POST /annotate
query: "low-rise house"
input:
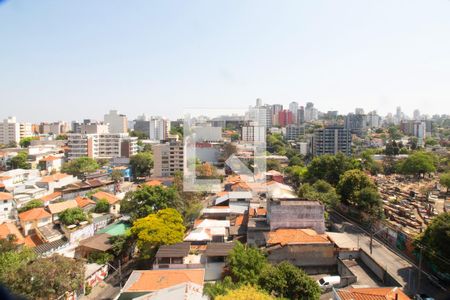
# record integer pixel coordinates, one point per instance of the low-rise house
(55, 181)
(7, 207)
(114, 202)
(151, 282)
(273, 175)
(57, 208)
(171, 256)
(208, 230)
(380, 293)
(305, 248)
(24, 193)
(85, 203)
(49, 233)
(51, 163)
(47, 199)
(225, 198)
(14, 177)
(10, 229)
(97, 243)
(34, 218)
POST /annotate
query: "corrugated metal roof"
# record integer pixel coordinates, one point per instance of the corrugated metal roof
(175, 250)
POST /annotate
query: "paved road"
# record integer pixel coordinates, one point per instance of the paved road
(403, 271)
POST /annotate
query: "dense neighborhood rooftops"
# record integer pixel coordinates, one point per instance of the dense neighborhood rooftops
(154, 280)
(34, 214)
(296, 236)
(54, 177)
(48, 247)
(107, 196)
(382, 293)
(56, 208)
(175, 250)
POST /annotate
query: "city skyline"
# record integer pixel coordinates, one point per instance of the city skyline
(163, 57)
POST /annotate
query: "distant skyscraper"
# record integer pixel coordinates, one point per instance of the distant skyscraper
(276, 108)
(285, 118)
(293, 107)
(301, 115)
(258, 102)
(359, 111)
(311, 113)
(9, 131)
(416, 115)
(117, 123)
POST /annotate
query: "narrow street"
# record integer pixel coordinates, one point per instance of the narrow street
(403, 271)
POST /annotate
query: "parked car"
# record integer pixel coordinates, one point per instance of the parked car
(328, 282)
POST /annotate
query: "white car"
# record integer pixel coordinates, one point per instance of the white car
(328, 282)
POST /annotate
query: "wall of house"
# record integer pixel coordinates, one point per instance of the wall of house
(347, 276)
(313, 257)
(292, 216)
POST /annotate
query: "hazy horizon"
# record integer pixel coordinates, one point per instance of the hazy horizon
(74, 60)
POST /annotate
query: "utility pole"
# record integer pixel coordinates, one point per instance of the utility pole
(420, 269)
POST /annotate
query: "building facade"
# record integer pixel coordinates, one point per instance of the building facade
(168, 158)
(9, 131)
(332, 140)
(118, 123)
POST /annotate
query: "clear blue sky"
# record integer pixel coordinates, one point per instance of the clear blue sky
(74, 59)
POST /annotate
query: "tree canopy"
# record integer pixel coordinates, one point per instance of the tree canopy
(419, 163)
(80, 166)
(246, 263)
(149, 199)
(445, 180)
(287, 281)
(436, 239)
(330, 167)
(245, 292)
(162, 228)
(20, 161)
(26, 141)
(141, 164)
(48, 277)
(31, 204)
(72, 216)
(102, 206)
(321, 191)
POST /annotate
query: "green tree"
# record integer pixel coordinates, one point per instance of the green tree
(246, 263)
(149, 199)
(31, 204)
(12, 258)
(26, 141)
(445, 180)
(141, 164)
(102, 206)
(321, 191)
(419, 163)
(139, 134)
(436, 239)
(287, 281)
(100, 258)
(246, 292)
(61, 137)
(116, 176)
(351, 183)
(20, 161)
(369, 201)
(212, 290)
(121, 243)
(72, 216)
(162, 228)
(273, 164)
(48, 277)
(330, 167)
(80, 166)
(296, 175)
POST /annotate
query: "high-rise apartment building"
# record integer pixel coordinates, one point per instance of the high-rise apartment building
(9, 131)
(254, 134)
(56, 128)
(311, 113)
(168, 158)
(293, 107)
(118, 123)
(26, 130)
(356, 123)
(285, 117)
(332, 140)
(294, 131)
(301, 115)
(156, 128)
(103, 145)
(276, 108)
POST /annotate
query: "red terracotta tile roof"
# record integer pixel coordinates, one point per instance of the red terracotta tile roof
(50, 158)
(154, 280)
(83, 201)
(34, 214)
(296, 236)
(10, 228)
(54, 177)
(51, 197)
(153, 183)
(107, 196)
(5, 196)
(33, 240)
(383, 293)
